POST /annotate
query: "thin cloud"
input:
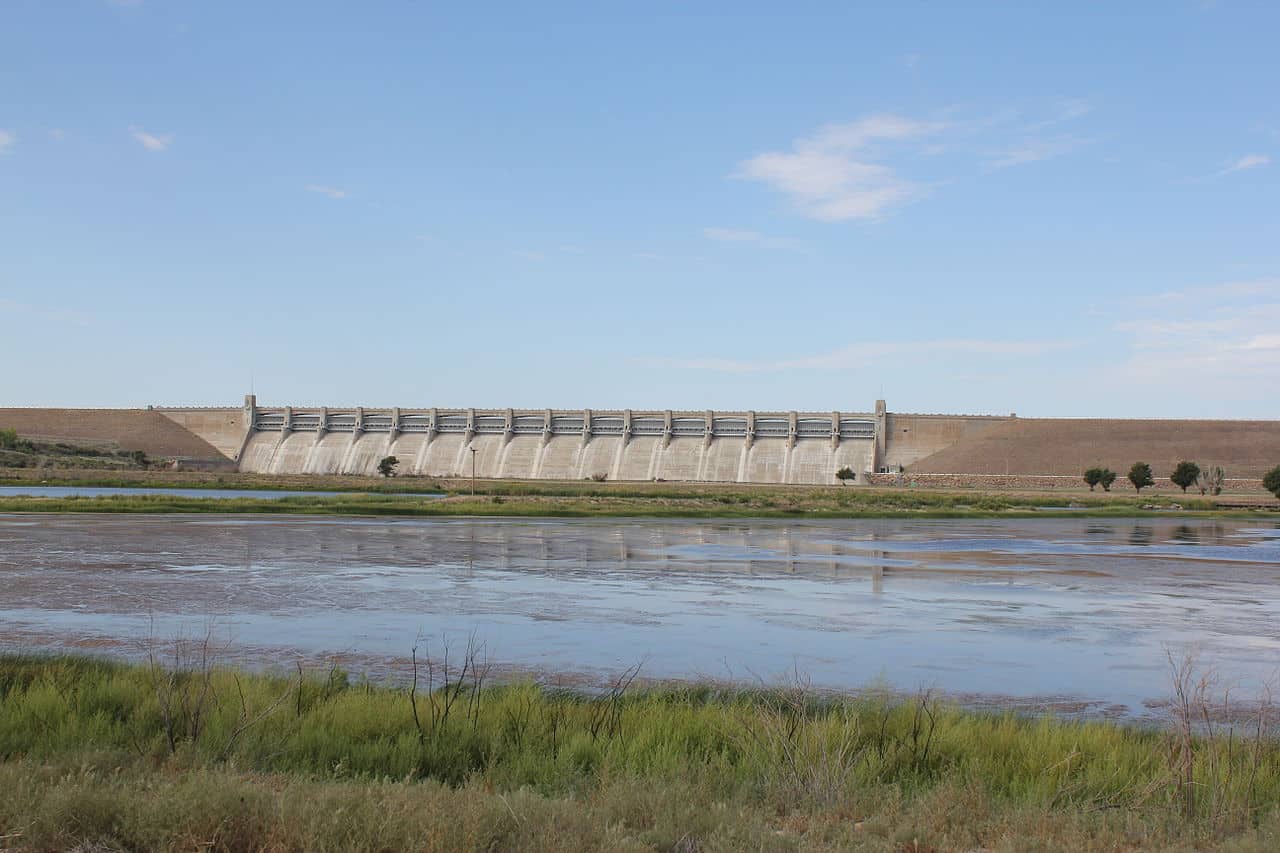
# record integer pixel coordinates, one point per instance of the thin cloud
(1069, 110)
(1249, 161)
(1220, 338)
(835, 174)
(7, 139)
(1036, 151)
(331, 192)
(861, 354)
(151, 141)
(738, 235)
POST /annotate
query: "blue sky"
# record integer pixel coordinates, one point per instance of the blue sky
(1055, 209)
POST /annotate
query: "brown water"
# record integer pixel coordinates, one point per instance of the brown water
(1043, 610)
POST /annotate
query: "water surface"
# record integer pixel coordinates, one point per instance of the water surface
(1081, 608)
(108, 491)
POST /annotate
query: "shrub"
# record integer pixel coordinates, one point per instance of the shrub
(1271, 482)
(1093, 477)
(1212, 479)
(1185, 474)
(1108, 477)
(844, 474)
(387, 467)
(600, 477)
(1140, 475)
(9, 439)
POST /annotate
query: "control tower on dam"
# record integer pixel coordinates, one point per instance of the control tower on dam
(705, 446)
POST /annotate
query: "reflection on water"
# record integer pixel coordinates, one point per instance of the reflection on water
(1074, 607)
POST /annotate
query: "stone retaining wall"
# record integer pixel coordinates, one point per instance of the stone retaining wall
(1044, 482)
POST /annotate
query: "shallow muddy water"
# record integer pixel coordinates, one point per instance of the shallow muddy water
(1041, 610)
(109, 491)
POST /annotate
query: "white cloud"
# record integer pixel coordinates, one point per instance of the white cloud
(1218, 339)
(737, 235)
(1249, 161)
(834, 175)
(7, 138)
(865, 353)
(331, 192)
(1068, 110)
(1036, 150)
(151, 141)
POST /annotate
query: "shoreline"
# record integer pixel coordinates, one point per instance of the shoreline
(923, 505)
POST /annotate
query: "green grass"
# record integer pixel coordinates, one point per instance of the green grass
(145, 757)
(725, 504)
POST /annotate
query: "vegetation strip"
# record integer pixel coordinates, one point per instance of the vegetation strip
(178, 751)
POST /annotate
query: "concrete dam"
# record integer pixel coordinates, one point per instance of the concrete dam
(742, 447)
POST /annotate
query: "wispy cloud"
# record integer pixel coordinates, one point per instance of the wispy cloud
(151, 141)
(738, 235)
(1036, 150)
(7, 139)
(331, 192)
(1220, 339)
(1249, 161)
(15, 309)
(865, 353)
(839, 173)
(1068, 110)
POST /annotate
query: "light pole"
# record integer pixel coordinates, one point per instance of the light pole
(472, 448)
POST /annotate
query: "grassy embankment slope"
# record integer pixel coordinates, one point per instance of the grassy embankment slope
(142, 757)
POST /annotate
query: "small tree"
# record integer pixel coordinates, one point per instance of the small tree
(1185, 474)
(1271, 482)
(387, 467)
(1108, 477)
(139, 458)
(845, 474)
(1140, 475)
(1212, 479)
(8, 439)
(1093, 477)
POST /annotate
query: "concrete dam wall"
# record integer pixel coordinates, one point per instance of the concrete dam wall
(733, 447)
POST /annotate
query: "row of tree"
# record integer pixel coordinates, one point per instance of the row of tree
(1210, 480)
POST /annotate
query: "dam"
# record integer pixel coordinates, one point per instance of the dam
(767, 447)
(708, 446)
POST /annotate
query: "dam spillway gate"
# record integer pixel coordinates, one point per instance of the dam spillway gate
(708, 446)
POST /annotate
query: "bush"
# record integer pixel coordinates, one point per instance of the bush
(1108, 477)
(844, 474)
(9, 439)
(599, 477)
(387, 467)
(1185, 474)
(1212, 479)
(1140, 475)
(1093, 477)
(1271, 482)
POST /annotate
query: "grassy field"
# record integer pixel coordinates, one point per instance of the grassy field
(860, 504)
(187, 755)
(586, 499)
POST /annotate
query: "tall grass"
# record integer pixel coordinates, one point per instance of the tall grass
(756, 761)
(868, 504)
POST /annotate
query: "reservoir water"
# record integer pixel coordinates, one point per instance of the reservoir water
(1073, 612)
(109, 491)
